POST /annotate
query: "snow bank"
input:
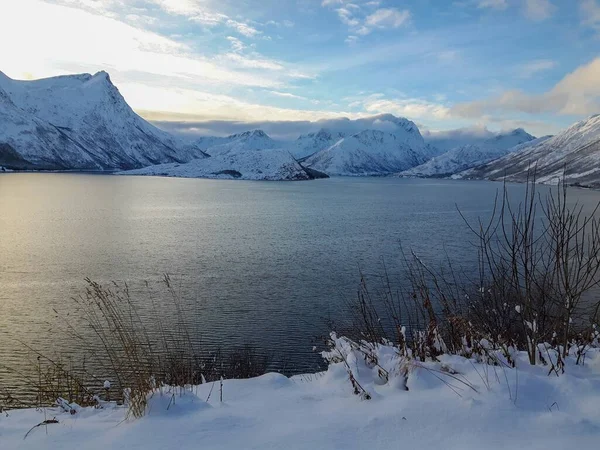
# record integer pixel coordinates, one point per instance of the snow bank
(456, 403)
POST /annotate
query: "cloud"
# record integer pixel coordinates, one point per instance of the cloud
(134, 57)
(236, 44)
(534, 67)
(578, 93)
(447, 139)
(198, 11)
(287, 95)
(197, 105)
(362, 18)
(411, 108)
(326, 3)
(236, 60)
(346, 18)
(590, 13)
(287, 130)
(242, 28)
(493, 4)
(387, 18)
(538, 9)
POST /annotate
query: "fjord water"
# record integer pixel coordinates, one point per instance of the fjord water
(262, 262)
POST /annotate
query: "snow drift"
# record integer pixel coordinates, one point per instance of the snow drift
(455, 403)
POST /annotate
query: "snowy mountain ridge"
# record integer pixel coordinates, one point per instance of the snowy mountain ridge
(372, 152)
(466, 156)
(247, 141)
(574, 154)
(260, 164)
(79, 122)
(309, 144)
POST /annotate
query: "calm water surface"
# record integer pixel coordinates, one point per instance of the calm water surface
(266, 261)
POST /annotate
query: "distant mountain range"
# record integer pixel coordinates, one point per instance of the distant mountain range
(370, 152)
(573, 154)
(81, 122)
(466, 156)
(251, 155)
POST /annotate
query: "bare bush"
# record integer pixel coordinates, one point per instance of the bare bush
(538, 265)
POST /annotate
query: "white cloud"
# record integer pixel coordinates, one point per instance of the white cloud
(242, 28)
(182, 7)
(534, 67)
(251, 62)
(198, 105)
(409, 107)
(346, 17)
(493, 4)
(200, 12)
(538, 9)
(590, 12)
(578, 93)
(106, 43)
(533, 9)
(361, 18)
(388, 18)
(236, 44)
(287, 95)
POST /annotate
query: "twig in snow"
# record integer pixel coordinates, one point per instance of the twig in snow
(41, 424)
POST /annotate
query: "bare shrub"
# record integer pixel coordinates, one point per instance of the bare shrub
(538, 263)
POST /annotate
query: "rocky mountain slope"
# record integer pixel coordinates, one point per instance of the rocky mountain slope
(249, 141)
(466, 156)
(374, 152)
(79, 122)
(268, 165)
(309, 144)
(573, 153)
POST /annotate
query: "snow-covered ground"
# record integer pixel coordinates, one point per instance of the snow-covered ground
(452, 404)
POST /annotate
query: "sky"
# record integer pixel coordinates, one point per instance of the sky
(221, 66)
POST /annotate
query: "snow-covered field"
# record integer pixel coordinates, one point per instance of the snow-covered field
(452, 404)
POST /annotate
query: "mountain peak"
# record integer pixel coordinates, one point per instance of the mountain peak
(98, 129)
(250, 133)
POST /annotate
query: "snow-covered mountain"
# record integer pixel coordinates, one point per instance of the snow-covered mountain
(574, 153)
(309, 144)
(79, 122)
(251, 155)
(248, 141)
(268, 164)
(464, 157)
(373, 152)
(461, 137)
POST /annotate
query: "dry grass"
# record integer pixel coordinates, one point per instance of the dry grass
(140, 348)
